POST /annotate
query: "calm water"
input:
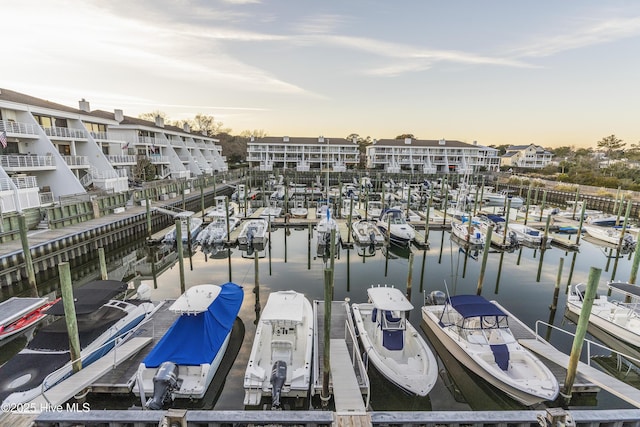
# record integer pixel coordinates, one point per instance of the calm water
(522, 281)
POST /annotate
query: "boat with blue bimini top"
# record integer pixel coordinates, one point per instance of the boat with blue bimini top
(392, 344)
(476, 332)
(46, 360)
(184, 362)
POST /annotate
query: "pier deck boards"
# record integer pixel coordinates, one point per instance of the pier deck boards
(65, 390)
(346, 392)
(121, 378)
(338, 331)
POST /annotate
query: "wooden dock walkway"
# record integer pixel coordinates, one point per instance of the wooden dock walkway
(65, 390)
(346, 390)
(607, 382)
(339, 317)
(121, 378)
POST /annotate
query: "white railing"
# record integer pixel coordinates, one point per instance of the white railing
(46, 198)
(122, 173)
(26, 161)
(76, 160)
(25, 181)
(151, 140)
(19, 128)
(588, 341)
(5, 184)
(155, 158)
(63, 132)
(123, 158)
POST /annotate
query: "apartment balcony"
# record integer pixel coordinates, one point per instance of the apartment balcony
(77, 162)
(19, 192)
(152, 141)
(122, 160)
(339, 167)
(105, 136)
(185, 159)
(180, 174)
(26, 162)
(18, 129)
(67, 133)
(157, 159)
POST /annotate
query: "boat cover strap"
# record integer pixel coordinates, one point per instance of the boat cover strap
(501, 355)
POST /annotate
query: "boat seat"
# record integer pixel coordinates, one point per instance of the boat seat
(282, 350)
(501, 355)
(393, 339)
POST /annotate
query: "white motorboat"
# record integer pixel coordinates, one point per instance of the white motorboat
(374, 209)
(46, 360)
(612, 236)
(299, 211)
(501, 234)
(254, 231)
(619, 319)
(476, 332)
(472, 235)
(367, 233)
(270, 212)
(393, 224)
(216, 231)
(324, 227)
(280, 360)
(187, 233)
(183, 363)
(222, 208)
(349, 208)
(528, 235)
(392, 344)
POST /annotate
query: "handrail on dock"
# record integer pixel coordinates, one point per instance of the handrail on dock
(588, 341)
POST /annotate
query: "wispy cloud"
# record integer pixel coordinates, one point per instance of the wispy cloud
(320, 24)
(598, 32)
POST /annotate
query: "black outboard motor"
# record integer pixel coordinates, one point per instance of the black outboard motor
(164, 382)
(372, 238)
(278, 377)
(250, 234)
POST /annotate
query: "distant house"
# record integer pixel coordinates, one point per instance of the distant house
(525, 156)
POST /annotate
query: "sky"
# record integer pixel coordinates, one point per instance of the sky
(552, 73)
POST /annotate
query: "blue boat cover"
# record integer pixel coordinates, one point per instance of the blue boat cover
(474, 305)
(196, 339)
(495, 218)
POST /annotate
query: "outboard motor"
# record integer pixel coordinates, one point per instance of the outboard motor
(250, 234)
(164, 382)
(372, 238)
(278, 377)
(436, 298)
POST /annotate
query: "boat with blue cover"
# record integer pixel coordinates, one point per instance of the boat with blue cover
(476, 332)
(46, 360)
(183, 363)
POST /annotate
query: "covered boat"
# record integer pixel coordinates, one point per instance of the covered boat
(184, 361)
(46, 360)
(392, 344)
(476, 332)
(280, 360)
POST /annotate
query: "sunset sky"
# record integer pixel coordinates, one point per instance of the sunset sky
(550, 73)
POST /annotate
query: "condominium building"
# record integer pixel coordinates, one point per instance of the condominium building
(430, 156)
(526, 156)
(302, 154)
(48, 150)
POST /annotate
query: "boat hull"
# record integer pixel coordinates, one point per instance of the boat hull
(525, 398)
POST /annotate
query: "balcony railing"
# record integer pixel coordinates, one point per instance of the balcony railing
(150, 140)
(26, 161)
(76, 160)
(121, 159)
(63, 132)
(24, 181)
(18, 128)
(156, 158)
(46, 198)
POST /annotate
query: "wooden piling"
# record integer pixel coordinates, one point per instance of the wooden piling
(180, 254)
(581, 330)
(326, 367)
(410, 276)
(70, 315)
(485, 256)
(103, 264)
(148, 208)
(28, 261)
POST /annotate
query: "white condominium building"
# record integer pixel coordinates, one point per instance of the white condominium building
(302, 154)
(48, 150)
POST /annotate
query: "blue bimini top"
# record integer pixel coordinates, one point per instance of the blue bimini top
(474, 306)
(196, 339)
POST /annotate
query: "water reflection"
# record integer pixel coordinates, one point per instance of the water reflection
(524, 284)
